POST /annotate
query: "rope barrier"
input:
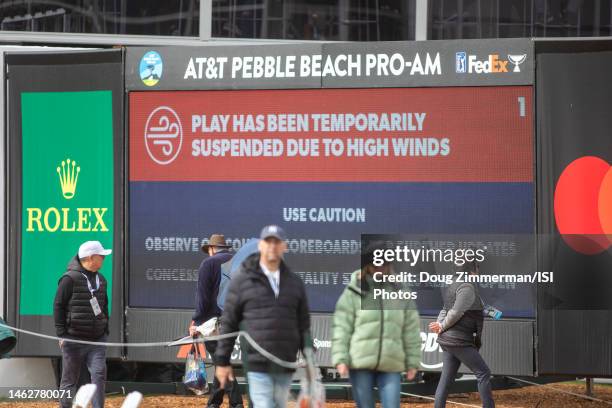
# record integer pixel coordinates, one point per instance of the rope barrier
(562, 391)
(180, 342)
(407, 394)
(286, 364)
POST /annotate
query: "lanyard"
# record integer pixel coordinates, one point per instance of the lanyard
(91, 290)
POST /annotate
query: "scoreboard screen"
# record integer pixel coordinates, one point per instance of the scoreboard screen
(328, 165)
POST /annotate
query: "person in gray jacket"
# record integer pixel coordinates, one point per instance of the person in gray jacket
(459, 328)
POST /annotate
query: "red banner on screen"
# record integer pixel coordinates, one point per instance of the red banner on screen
(469, 134)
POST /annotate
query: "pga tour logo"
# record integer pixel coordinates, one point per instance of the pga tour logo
(465, 63)
(460, 62)
(163, 135)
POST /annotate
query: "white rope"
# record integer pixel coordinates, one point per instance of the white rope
(407, 394)
(247, 336)
(286, 364)
(433, 399)
(180, 342)
(110, 344)
(562, 391)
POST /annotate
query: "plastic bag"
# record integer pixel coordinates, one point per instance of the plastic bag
(195, 372)
(209, 327)
(312, 392)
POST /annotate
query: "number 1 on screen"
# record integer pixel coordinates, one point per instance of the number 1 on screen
(521, 102)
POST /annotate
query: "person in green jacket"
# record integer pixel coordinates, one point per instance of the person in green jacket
(374, 346)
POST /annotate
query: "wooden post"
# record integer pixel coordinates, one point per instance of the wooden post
(589, 386)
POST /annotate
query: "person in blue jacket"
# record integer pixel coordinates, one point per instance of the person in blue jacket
(209, 277)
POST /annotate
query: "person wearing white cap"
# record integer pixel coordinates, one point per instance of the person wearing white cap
(80, 310)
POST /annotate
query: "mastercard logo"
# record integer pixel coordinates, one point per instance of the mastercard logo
(583, 205)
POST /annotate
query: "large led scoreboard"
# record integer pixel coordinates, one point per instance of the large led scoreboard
(327, 165)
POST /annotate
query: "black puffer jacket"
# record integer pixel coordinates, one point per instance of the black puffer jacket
(74, 316)
(280, 325)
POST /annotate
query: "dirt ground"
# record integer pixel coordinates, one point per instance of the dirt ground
(528, 397)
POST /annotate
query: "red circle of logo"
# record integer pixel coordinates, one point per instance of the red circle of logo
(583, 205)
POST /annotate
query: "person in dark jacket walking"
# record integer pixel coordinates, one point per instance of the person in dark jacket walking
(459, 327)
(80, 311)
(269, 302)
(209, 277)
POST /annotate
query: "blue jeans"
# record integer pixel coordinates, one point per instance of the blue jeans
(73, 356)
(363, 383)
(269, 390)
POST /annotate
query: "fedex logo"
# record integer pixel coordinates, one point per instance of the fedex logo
(493, 64)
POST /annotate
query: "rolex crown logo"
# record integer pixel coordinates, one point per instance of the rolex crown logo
(68, 176)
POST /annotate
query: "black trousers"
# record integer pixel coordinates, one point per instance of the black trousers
(231, 388)
(452, 357)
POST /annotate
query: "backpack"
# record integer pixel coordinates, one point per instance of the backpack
(231, 267)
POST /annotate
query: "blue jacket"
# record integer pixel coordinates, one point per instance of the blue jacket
(207, 290)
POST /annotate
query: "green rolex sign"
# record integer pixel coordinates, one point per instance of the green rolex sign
(67, 188)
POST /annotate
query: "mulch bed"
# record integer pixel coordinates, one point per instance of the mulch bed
(528, 397)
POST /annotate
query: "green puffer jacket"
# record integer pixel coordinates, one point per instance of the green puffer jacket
(381, 340)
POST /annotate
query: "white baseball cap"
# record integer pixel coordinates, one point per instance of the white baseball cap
(90, 248)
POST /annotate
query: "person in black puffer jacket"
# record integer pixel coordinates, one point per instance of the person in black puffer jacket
(80, 310)
(269, 302)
